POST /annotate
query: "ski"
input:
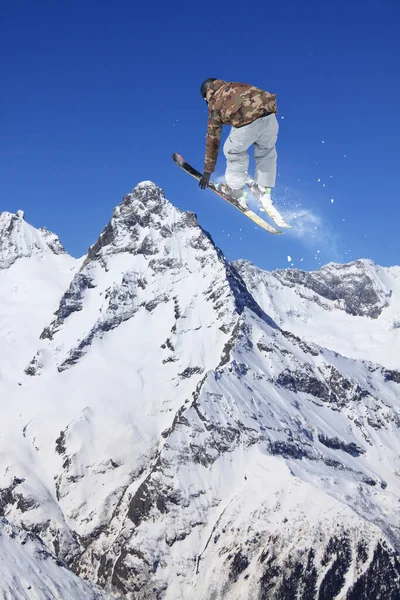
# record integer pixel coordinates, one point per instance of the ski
(185, 166)
(266, 203)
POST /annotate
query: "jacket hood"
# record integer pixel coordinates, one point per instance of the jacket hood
(213, 87)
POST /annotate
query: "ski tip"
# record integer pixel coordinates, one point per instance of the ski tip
(284, 225)
(178, 158)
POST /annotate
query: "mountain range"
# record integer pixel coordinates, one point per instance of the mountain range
(178, 426)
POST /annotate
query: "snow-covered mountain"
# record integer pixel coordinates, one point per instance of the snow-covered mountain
(179, 427)
(353, 309)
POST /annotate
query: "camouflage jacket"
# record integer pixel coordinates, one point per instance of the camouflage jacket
(235, 104)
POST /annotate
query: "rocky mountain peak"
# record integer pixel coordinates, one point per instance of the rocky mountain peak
(146, 198)
(141, 215)
(150, 257)
(18, 239)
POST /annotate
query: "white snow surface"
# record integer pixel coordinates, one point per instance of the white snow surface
(164, 426)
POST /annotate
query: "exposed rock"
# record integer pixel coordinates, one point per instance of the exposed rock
(350, 286)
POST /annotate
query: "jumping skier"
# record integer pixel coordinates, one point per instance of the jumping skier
(252, 114)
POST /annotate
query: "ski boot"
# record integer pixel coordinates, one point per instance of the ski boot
(238, 196)
(264, 192)
(263, 195)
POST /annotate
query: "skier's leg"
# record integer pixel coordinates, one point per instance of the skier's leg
(265, 152)
(237, 157)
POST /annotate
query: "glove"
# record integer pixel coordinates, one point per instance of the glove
(205, 180)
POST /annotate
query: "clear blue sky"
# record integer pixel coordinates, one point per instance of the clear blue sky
(96, 96)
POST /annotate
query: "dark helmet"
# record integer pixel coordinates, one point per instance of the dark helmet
(204, 86)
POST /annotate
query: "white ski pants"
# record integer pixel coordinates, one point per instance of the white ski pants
(263, 133)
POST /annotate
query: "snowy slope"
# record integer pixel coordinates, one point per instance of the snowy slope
(173, 435)
(254, 467)
(352, 309)
(34, 271)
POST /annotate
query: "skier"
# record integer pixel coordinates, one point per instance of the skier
(251, 112)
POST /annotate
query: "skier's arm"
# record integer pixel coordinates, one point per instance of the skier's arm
(213, 138)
